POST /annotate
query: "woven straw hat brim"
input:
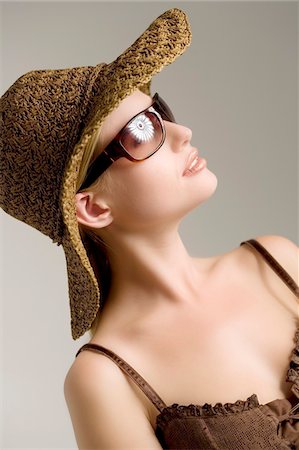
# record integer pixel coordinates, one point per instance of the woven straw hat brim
(162, 42)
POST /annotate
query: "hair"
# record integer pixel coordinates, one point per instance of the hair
(95, 247)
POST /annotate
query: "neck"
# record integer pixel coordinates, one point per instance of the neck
(153, 270)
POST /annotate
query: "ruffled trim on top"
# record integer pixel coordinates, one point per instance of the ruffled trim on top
(179, 411)
(293, 372)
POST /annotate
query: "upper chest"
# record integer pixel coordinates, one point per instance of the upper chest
(235, 342)
(219, 361)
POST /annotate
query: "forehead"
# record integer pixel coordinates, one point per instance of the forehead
(118, 118)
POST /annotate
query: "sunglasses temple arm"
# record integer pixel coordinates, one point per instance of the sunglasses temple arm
(100, 164)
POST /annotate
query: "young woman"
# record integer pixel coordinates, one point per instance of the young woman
(190, 353)
(199, 330)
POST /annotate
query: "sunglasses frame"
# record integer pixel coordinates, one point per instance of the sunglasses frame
(116, 150)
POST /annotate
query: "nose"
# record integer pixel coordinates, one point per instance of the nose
(178, 136)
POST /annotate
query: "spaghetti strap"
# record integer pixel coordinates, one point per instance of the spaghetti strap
(126, 368)
(274, 264)
(137, 378)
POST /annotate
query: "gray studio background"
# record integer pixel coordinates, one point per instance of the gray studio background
(235, 87)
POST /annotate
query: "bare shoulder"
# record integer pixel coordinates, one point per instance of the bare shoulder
(101, 400)
(284, 250)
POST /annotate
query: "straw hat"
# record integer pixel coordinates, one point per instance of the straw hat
(47, 117)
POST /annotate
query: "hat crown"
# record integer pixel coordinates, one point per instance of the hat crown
(42, 116)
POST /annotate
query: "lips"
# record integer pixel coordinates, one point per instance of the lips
(192, 158)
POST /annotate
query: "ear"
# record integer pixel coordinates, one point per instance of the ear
(92, 211)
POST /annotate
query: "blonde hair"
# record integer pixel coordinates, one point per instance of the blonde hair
(94, 245)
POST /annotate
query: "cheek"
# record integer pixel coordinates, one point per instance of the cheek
(145, 194)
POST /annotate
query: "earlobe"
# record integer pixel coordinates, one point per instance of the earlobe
(92, 212)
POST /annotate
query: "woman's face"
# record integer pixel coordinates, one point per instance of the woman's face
(153, 191)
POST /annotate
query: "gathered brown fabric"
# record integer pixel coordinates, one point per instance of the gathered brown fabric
(242, 425)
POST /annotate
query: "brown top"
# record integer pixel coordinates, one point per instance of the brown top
(244, 424)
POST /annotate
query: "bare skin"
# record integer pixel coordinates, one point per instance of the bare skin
(214, 329)
(234, 342)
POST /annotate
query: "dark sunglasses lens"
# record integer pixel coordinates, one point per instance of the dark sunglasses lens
(142, 135)
(164, 109)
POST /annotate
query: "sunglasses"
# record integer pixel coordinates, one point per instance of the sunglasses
(139, 139)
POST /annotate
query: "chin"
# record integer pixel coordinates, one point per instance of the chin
(205, 187)
(202, 194)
